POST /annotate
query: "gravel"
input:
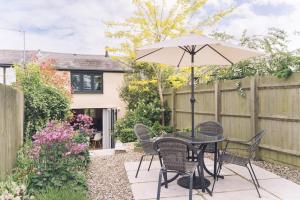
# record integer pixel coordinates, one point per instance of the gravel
(287, 172)
(107, 177)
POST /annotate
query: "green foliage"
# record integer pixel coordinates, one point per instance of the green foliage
(43, 102)
(58, 158)
(140, 87)
(65, 193)
(124, 127)
(157, 129)
(24, 163)
(10, 190)
(278, 61)
(147, 114)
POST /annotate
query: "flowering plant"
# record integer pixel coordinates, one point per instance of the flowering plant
(57, 155)
(83, 123)
(10, 190)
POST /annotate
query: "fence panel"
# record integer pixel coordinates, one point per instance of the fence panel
(11, 127)
(244, 107)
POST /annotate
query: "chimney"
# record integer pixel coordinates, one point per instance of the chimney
(106, 52)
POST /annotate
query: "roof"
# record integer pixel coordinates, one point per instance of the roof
(64, 61)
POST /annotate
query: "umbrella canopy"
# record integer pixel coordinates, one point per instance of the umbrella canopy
(193, 50)
(207, 51)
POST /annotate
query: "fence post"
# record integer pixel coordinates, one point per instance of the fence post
(217, 101)
(173, 108)
(254, 106)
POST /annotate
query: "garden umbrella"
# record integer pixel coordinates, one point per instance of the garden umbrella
(194, 50)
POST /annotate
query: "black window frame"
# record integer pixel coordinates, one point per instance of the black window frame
(92, 74)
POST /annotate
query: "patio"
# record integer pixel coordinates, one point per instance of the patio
(236, 184)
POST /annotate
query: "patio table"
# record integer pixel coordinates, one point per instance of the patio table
(200, 141)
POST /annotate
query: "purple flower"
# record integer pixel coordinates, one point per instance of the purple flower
(76, 148)
(83, 123)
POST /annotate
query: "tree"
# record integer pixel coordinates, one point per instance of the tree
(153, 22)
(44, 100)
(278, 60)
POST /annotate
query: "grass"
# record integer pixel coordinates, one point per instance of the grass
(66, 193)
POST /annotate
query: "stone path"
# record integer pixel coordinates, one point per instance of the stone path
(236, 185)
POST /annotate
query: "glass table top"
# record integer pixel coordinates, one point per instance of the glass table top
(198, 138)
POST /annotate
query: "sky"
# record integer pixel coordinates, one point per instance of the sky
(76, 26)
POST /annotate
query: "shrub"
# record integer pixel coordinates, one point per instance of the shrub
(157, 129)
(57, 156)
(124, 127)
(24, 163)
(145, 114)
(10, 190)
(65, 193)
(127, 135)
(43, 101)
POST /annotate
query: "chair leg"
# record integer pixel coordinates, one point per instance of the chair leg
(201, 175)
(220, 168)
(191, 187)
(159, 185)
(218, 172)
(253, 181)
(165, 179)
(160, 162)
(150, 162)
(137, 172)
(254, 174)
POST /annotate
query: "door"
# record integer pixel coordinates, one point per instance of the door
(109, 119)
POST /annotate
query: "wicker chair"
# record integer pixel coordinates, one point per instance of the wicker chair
(245, 160)
(215, 129)
(142, 133)
(210, 128)
(173, 152)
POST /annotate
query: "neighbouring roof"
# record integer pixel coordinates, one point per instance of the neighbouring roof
(64, 61)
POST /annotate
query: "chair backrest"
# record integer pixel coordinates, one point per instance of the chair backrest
(210, 128)
(254, 142)
(97, 137)
(173, 152)
(142, 133)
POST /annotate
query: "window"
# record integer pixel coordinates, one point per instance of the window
(87, 82)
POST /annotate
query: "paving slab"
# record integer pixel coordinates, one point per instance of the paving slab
(231, 184)
(282, 188)
(149, 190)
(208, 161)
(195, 197)
(244, 195)
(224, 171)
(236, 185)
(132, 166)
(143, 176)
(261, 173)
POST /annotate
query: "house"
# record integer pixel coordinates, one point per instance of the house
(94, 80)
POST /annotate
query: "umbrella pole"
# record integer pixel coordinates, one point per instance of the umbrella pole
(193, 97)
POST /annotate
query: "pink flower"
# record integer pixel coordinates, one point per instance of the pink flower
(57, 138)
(76, 148)
(83, 123)
(53, 132)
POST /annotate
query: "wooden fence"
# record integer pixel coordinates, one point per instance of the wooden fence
(268, 103)
(11, 127)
